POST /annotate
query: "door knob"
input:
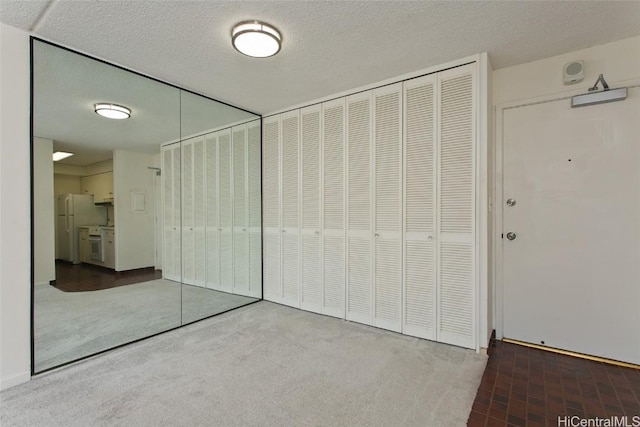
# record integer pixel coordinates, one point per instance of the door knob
(511, 202)
(511, 235)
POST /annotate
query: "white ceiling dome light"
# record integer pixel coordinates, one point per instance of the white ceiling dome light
(112, 111)
(256, 39)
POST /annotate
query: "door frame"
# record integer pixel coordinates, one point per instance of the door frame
(497, 253)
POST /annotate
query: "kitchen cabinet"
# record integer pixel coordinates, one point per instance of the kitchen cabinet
(83, 246)
(99, 185)
(109, 248)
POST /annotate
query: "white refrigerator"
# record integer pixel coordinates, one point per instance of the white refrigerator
(75, 210)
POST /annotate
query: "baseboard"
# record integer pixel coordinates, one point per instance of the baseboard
(492, 338)
(14, 380)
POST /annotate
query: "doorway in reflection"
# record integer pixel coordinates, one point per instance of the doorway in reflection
(123, 242)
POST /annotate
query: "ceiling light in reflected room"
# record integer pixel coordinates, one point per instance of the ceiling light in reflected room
(59, 155)
(112, 111)
(256, 39)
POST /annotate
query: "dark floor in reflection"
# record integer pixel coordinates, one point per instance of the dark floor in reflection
(87, 277)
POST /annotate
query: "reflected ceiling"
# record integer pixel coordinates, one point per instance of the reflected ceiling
(67, 85)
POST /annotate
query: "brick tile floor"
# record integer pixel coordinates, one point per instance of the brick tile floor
(522, 386)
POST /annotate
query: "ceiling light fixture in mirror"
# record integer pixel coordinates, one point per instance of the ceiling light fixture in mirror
(112, 111)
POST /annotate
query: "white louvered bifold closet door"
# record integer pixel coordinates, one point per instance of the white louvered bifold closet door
(290, 209)
(171, 205)
(271, 216)
(456, 203)
(199, 200)
(188, 240)
(420, 207)
(254, 208)
(240, 213)
(387, 142)
(359, 208)
(310, 205)
(177, 210)
(225, 201)
(212, 212)
(333, 187)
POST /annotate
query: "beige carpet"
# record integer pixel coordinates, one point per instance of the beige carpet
(260, 365)
(72, 325)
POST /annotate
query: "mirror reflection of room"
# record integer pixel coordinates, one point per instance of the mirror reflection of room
(107, 271)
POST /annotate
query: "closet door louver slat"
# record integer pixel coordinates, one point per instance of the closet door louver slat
(225, 182)
(311, 261)
(359, 216)
(171, 246)
(212, 233)
(333, 303)
(456, 299)
(387, 141)
(271, 215)
(177, 212)
(420, 213)
(199, 213)
(290, 210)
(255, 209)
(188, 235)
(240, 233)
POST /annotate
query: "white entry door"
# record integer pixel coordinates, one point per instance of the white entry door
(571, 276)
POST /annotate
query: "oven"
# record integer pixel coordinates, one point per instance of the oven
(95, 244)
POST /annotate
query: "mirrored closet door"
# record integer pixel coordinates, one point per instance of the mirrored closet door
(153, 219)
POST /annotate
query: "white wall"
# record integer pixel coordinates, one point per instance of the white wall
(15, 289)
(43, 212)
(100, 167)
(67, 177)
(66, 184)
(135, 232)
(60, 168)
(618, 61)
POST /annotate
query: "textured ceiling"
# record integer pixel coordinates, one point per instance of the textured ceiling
(328, 46)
